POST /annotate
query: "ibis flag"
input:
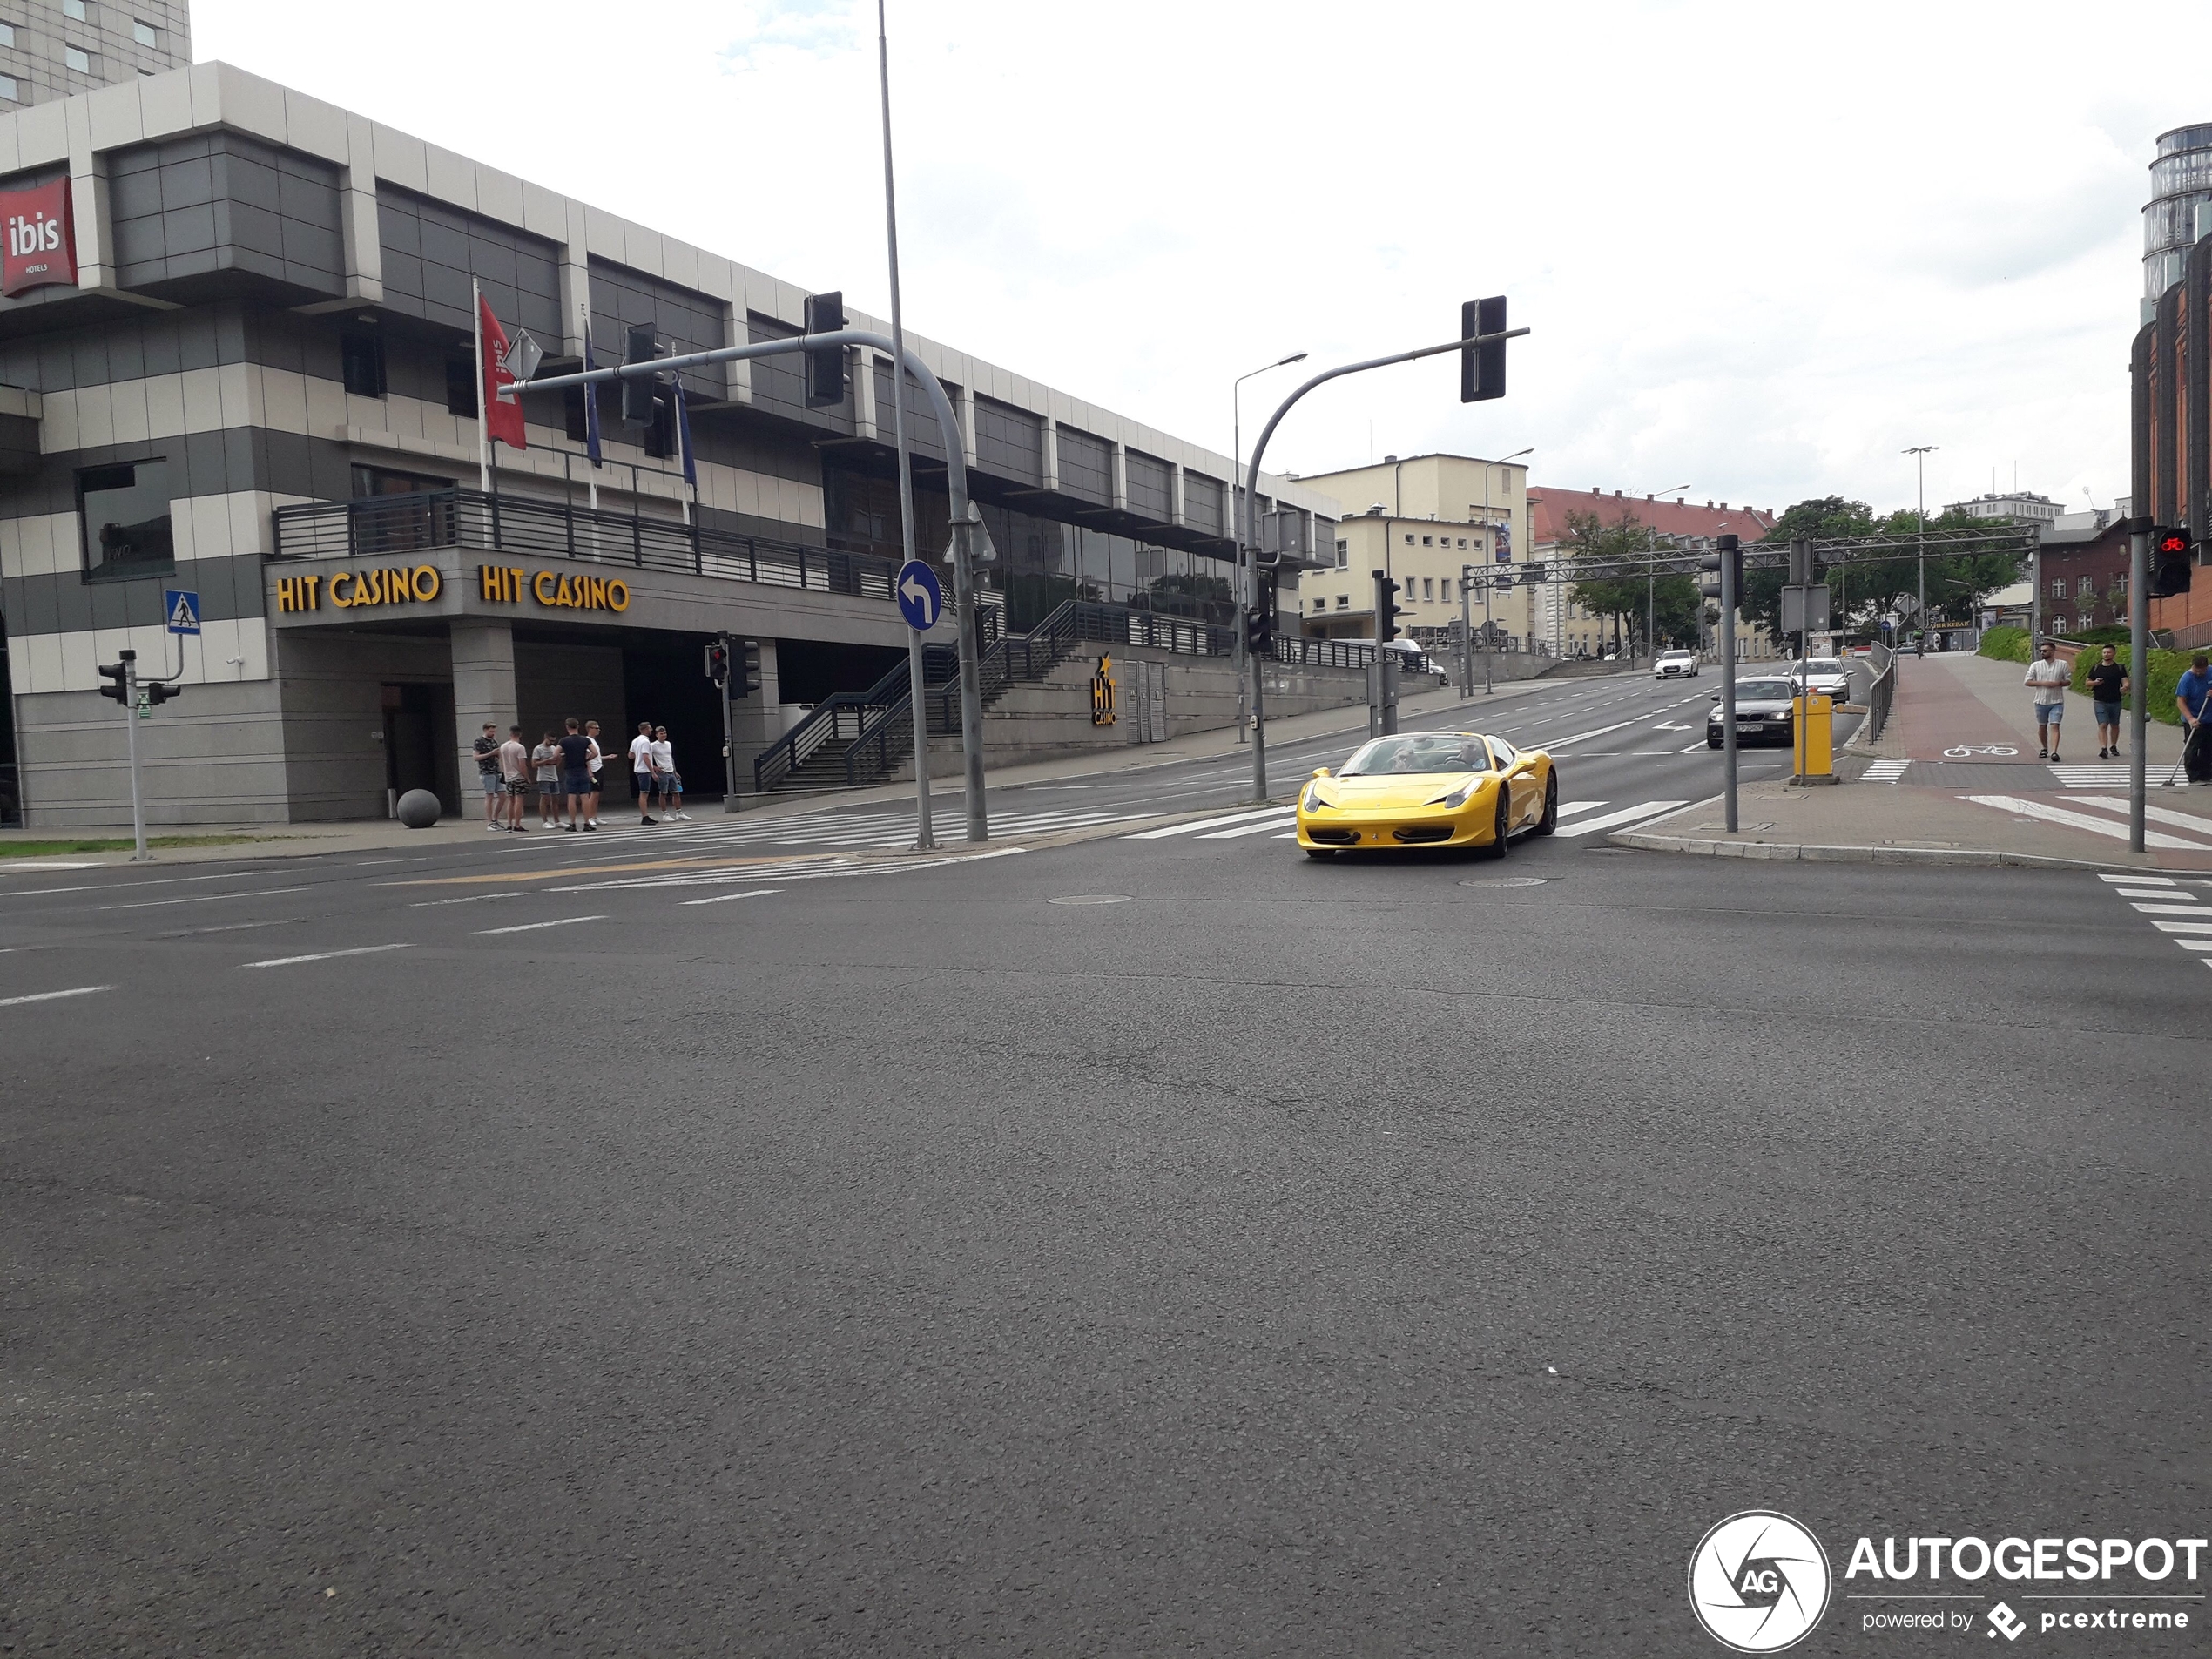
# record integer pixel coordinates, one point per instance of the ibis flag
(502, 407)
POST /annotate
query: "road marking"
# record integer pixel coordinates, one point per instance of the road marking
(1568, 808)
(1695, 747)
(472, 898)
(2079, 821)
(1884, 772)
(2151, 893)
(2183, 926)
(412, 858)
(201, 898)
(49, 996)
(26, 865)
(2142, 880)
(2171, 909)
(1583, 736)
(724, 898)
(323, 956)
(2155, 814)
(1275, 822)
(1205, 824)
(532, 927)
(1626, 814)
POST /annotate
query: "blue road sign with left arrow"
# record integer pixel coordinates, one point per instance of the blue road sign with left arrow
(183, 608)
(921, 601)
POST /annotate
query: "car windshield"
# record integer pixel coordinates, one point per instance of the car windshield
(1824, 666)
(1673, 656)
(1758, 691)
(1428, 751)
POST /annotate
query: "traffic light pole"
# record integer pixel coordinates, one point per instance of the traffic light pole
(2139, 676)
(1466, 632)
(1729, 596)
(1251, 475)
(130, 660)
(966, 520)
(1487, 688)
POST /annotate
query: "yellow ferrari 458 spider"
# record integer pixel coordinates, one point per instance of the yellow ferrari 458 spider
(1454, 789)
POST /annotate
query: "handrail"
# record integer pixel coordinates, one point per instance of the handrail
(1880, 694)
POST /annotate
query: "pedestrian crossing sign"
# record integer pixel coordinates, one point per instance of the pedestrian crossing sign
(182, 607)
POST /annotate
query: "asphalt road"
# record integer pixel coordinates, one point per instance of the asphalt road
(518, 1252)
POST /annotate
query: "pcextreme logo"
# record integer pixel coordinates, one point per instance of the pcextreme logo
(1758, 1582)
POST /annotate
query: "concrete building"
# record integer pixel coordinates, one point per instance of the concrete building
(1420, 519)
(50, 49)
(2018, 507)
(240, 364)
(2082, 569)
(1564, 627)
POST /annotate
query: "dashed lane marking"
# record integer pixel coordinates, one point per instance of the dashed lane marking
(533, 927)
(201, 898)
(724, 898)
(324, 957)
(53, 997)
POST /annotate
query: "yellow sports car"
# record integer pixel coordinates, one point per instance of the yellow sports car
(1429, 789)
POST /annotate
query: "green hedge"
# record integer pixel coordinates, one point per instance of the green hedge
(2006, 645)
(2166, 670)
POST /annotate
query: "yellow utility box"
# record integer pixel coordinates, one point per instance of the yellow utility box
(1812, 736)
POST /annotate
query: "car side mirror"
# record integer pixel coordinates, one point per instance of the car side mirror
(1321, 771)
(1713, 696)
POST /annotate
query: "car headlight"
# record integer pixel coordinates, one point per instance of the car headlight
(1459, 797)
(1314, 801)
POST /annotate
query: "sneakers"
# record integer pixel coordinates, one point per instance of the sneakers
(686, 817)
(643, 821)
(570, 828)
(2055, 759)
(2042, 754)
(495, 828)
(2104, 754)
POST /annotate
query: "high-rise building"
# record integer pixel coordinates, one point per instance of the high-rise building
(2181, 183)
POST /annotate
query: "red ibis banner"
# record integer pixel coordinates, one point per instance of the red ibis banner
(39, 237)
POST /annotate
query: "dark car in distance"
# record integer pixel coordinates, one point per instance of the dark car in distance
(1763, 713)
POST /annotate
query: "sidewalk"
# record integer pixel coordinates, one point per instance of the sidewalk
(375, 835)
(1955, 779)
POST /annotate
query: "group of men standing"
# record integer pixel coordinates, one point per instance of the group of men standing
(566, 772)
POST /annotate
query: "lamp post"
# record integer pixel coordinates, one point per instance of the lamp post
(1651, 585)
(1242, 527)
(1921, 455)
(1489, 689)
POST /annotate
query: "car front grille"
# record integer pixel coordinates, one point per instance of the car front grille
(1414, 833)
(1333, 837)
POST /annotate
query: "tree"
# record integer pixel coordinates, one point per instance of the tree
(1869, 588)
(1610, 563)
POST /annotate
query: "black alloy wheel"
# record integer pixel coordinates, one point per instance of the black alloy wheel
(1549, 821)
(1502, 830)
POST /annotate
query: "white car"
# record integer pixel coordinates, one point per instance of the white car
(1825, 674)
(1676, 664)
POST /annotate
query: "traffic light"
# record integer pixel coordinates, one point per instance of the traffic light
(825, 366)
(1709, 571)
(1386, 607)
(717, 662)
(1259, 630)
(744, 667)
(120, 691)
(1482, 368)
(637, 389)
(2170, 552)
(156, 693)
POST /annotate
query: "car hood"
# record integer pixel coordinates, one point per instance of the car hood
(1754, 706)
(1394, 791)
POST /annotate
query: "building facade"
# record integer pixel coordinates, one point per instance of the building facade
(2081, 570)
(1420, 520)
(52, 49)
(252, 379)
(1567, 629)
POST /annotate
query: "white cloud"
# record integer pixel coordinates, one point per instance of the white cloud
(1764, 247)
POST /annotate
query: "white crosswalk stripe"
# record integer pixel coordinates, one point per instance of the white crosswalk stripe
(2116, 775)
(2190, 822)
(1275, 822)
(1616, 819)
(1205, 824)
(2195, 934)
(1884, 772)
(2117, 831)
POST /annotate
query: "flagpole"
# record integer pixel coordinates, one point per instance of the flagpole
(483, 414)
(591, 412)
(917, 676)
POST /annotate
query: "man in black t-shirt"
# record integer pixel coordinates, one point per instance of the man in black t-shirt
(576, 771)
(488, 776)
(2109, 692)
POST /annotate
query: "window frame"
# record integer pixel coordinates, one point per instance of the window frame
(145, 33)
(71, 55)
(351, 344)
(103, 571)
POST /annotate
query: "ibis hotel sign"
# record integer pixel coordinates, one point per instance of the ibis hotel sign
(498, 584)
(39, 238)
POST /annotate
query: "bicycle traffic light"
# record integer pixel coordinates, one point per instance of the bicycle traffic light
(1482, 368)
(637, 389)
(1386, 607)
(120, 673)
(2171, 554)
(717, 662)
(826, 365)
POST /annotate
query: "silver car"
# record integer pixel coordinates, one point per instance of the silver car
(1825, 674)
(1764, 712)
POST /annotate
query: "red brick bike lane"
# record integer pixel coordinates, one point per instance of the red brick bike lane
(1938, 717)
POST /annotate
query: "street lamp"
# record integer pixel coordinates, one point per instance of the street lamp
(1243, 525)
(1921, 455)
(1651, 584)
(1488, 689)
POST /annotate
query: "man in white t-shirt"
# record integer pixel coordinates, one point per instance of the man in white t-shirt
(641, 770)
(2049, 677)
(514, 776)
(669, 782)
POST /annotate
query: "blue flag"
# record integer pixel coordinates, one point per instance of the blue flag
(591, 395)
(684, 435)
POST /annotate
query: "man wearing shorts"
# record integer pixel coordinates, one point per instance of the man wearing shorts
(666, 776)
(545, 760)
(641, 770)
(575, 775)
(598, 766)
(2109, 692)
(487, 774)
(2049, 678)
(515, 778)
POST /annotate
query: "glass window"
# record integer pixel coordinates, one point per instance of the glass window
(1344, 555)
(78, 59)
(74, 9)
(145, 33)
(361, 352)
(1505, 752)
(2058, 587)
(1344, 601)
(461, 386)
(1429, 751)
(1409, 539)
(7, 34)
(2082, 588)
(1428, 589)
(10, 91)
(125, 510)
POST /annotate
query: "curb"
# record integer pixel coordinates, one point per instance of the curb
(1786, 853)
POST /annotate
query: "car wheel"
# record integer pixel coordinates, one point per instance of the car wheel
(1501, 828)
(1549, 821)
(1714, 743)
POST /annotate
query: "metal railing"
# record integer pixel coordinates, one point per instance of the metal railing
(381, 526)
(1879, 695)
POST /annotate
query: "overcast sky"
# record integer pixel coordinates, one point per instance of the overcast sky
(1763, 247)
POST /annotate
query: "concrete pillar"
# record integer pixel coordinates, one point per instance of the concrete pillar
(483, 689)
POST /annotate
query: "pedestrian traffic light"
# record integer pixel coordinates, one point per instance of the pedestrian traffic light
(637, 389)
(717, 662)
(2170, 552)
(1386, 607)
(1482, 368)
(120, 691)
(156, 693)
(1259, 630)
(744, 667)
(825, 365)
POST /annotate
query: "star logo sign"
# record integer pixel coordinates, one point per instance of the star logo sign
(1758, 1582)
